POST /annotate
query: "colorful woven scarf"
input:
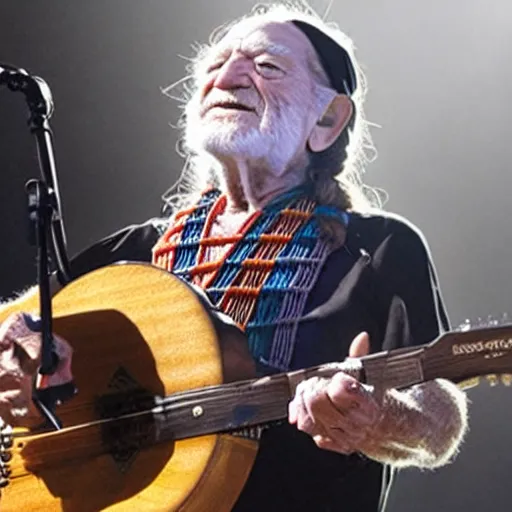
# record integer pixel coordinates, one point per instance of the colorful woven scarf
(263, 280)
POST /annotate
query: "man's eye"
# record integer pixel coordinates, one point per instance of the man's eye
(267, 65)
(268, 70)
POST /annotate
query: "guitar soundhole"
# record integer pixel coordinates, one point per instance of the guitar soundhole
(126, 436)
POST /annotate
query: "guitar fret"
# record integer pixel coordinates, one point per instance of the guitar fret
(394, 372)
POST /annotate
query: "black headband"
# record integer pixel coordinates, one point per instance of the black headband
(334, 58)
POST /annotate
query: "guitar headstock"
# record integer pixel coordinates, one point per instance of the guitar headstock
(473, 351)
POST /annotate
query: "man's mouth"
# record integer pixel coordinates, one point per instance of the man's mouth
(229, 105)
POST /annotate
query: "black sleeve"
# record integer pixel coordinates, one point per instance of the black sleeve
(132, 243)
(407, 280)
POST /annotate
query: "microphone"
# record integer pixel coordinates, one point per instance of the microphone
(35, 89)
(4, 75)
(7, 72)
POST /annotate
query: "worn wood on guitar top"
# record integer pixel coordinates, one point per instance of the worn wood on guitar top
(153, 327)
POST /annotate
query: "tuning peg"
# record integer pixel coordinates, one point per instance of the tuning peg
(506, 378)
(464, 326)
(488, 321)
(492, 321)
(492, 379)
(469, 383)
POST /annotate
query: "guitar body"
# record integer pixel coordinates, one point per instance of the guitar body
(135, 331)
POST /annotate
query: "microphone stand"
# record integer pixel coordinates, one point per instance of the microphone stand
(45, 220)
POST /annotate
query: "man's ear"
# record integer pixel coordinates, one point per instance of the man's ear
(331, 124)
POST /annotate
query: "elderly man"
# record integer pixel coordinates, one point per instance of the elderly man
(286, 250)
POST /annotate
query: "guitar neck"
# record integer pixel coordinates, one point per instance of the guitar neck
(225, 408)
(457, 356)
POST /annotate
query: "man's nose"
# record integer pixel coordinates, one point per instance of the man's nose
(234, 73)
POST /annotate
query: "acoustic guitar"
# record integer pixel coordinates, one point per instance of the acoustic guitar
(167, 400)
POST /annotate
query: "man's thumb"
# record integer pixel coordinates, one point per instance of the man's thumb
(360, 346)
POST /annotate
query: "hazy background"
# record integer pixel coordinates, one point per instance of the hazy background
(440, 79)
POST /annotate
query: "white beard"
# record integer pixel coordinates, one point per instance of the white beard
(274, 140)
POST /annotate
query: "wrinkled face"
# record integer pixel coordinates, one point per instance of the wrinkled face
(255, 96)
